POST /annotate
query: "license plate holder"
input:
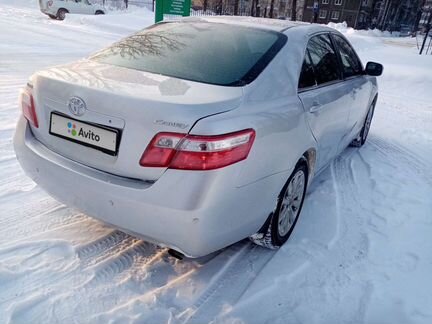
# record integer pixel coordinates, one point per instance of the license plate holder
(95, 136)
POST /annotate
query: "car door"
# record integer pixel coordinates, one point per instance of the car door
(87, 7)
(69, 5)
(325, 97)
(359, 84)
(80, 7)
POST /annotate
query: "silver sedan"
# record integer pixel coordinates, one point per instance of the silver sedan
(198, 133)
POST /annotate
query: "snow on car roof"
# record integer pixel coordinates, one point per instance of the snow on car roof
(264, 23)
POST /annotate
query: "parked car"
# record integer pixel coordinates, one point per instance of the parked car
(405, 31)
(57, 9)
(196, 134)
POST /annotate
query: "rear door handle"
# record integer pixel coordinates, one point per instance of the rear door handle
(316, 106)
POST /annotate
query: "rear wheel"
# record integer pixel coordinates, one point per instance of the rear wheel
(61, 14)
(99, 12)
(361, 138)
(279, 226)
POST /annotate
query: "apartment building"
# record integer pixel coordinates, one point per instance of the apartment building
(324, 11)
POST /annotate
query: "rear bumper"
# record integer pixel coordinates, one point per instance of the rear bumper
(193, 212)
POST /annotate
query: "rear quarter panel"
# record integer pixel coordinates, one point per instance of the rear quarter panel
(273, 109)
(282, 136)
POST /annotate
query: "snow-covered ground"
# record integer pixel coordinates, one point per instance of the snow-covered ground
(361, 252)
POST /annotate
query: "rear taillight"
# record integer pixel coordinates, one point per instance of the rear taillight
(195, 152)
(28, 106)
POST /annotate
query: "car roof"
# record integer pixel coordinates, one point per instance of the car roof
(262, 23)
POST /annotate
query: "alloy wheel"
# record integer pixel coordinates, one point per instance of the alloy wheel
(291, 202)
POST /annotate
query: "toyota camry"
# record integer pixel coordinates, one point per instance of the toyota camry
(197, 133)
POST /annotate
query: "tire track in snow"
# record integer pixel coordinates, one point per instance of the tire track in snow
(230, 283)
(397, 153)
(96, 248)
(118, 262)
(340, 259)
(348, 186)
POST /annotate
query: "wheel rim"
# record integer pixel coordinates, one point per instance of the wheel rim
(291, 202)
(367, 123)
(62, 15)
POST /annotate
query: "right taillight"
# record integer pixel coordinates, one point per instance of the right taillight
(28, 106)
(196, 152)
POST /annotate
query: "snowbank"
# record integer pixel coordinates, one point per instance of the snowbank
(116, 22)
(361, 252)
(343, 28)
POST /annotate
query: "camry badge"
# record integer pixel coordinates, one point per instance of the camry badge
(77, 106)
(171, 124)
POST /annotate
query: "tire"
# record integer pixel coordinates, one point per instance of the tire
(362, 137)
(61, 14)
(280, 224)
(52, 16)
(99, 12)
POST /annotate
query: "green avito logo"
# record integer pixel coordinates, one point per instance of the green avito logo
(72, 129)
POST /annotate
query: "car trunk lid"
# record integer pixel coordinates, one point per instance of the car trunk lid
(135, 104)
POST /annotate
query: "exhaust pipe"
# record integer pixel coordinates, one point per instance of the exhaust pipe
(176, 254)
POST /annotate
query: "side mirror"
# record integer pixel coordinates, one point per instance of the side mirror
(374, 69)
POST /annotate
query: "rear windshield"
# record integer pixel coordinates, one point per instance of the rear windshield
(212, 53)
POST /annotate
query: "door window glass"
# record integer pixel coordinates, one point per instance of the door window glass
(324, 59)
(307, 75)
(350, 63)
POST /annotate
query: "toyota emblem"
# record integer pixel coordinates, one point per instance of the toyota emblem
(77, 106)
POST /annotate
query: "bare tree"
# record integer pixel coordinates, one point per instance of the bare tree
(294, 10)
(145, 43)
(271, 9)
(236, 7)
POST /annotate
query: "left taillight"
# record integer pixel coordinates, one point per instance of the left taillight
(196, 152)
(28, 106)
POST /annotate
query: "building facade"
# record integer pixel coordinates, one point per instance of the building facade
(361, 14)
(425, 13)
(325, 11)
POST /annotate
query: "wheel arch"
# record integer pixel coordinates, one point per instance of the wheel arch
(62, 8)
(309, 156)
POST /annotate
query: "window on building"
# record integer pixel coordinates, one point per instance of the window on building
(323, 14)
(338, 2)
(325, 1)
(365, 2)
(335, 15)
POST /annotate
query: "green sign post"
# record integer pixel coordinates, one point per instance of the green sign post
(172, 7)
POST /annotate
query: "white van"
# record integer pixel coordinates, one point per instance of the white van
(57, 9)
